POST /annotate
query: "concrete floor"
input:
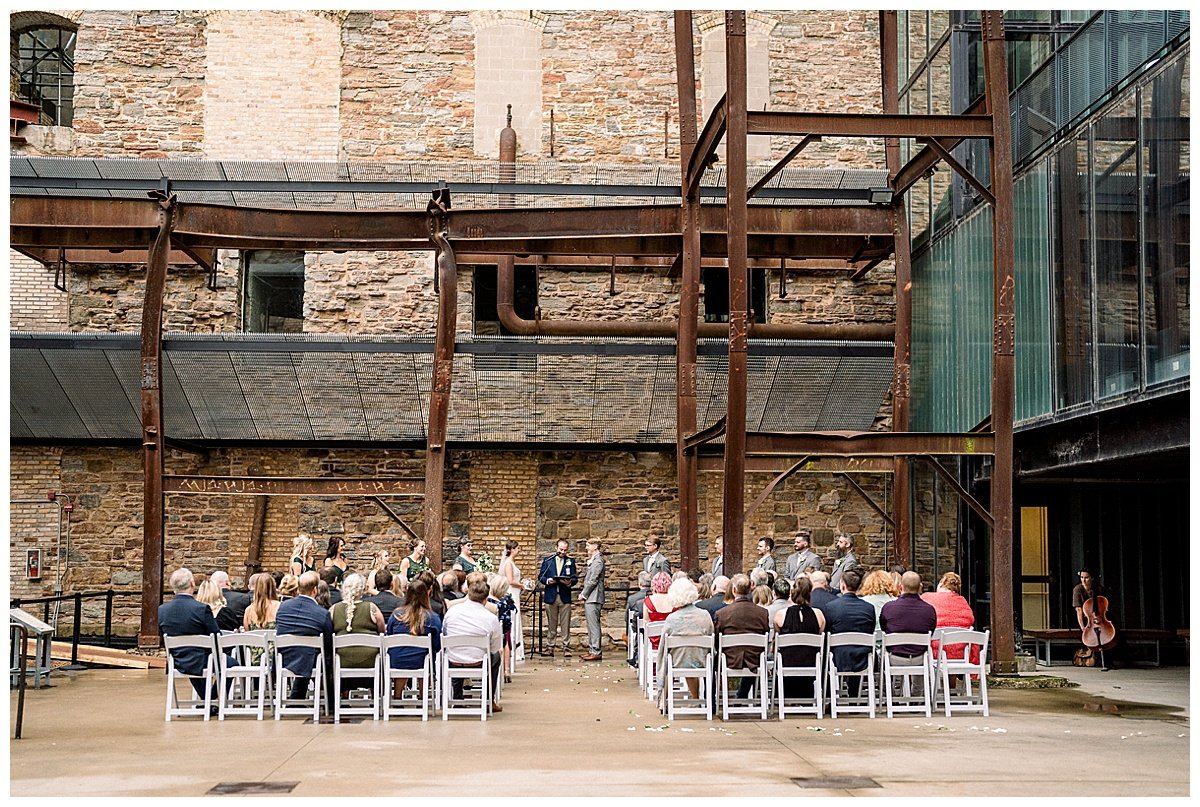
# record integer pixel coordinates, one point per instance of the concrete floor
(575, 729)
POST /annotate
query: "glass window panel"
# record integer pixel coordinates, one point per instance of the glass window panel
(1072, 273)
(1118, 349)
(902, 45)
(1027, 15)
(943, 208)
(1026, 52)
(1165, 188)
(274, 292)
(1032, 274)
(46, 72)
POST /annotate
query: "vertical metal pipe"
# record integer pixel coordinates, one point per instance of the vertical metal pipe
(76, 627)
(689, 301)
(889, 64)
(1003, 341)
(258, 525)
(735, 216)
(108, 611)
(152, 426)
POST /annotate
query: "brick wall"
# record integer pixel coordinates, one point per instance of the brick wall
(271, 86)
(34, 303)
(33, 520)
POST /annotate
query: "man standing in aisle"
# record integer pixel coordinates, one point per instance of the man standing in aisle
(558, 576)
(593, 599)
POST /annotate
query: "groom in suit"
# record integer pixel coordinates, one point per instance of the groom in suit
(558, 575)
(302, 615)
(593, 599)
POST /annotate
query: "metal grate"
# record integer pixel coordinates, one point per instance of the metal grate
(310, 388)
(251, 788)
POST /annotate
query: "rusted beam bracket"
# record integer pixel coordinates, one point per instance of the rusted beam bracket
(779, 166)
(813, 465)
(293, 485)
(959, 169)
(774, 483)
(967, 498)
(705, 151)
(394, 517)
(866, 497)
(926, 159)
(705, 435)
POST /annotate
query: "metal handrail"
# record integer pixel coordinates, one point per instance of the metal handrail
(23, 665)
(76, 623)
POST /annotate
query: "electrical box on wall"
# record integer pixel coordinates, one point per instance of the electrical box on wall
(33, 564)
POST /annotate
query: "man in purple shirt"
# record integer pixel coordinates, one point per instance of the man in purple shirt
(908, 613)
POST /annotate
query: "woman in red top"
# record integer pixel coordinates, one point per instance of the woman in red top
(657, 607)
(953, 611)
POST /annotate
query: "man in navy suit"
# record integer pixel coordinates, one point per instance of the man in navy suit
(302, 615)
(850, 614)
(184, 616)
(558, 575)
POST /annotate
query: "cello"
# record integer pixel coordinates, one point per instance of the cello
(1099, 633)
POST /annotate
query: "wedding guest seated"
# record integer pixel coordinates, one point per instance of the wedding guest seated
(352, 615)
(263, 608)
(716, 600)
(301, 616)
(762, 596)
(953, 611)
(472, 618)
(877, 588)
(415, 618)
(450, 586)
(386, 600)
(821, 594)
(657, 606)
(210, 595)
(330, 577)
(742, 616)
(323, 598)
(800, 617)
(782, 591)
(908, 613)
(703, 586)
(685, 620)
(436, 603)
(288, 588)
(499, 597)
(847, 613)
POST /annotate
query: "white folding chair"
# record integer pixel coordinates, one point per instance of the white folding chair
(241, 679)
(420, 680)
(648, 658)
(865, 702)
(481, 674)
(799, 706)
(904, 674)
(351, 705)
(758, 703)
(680, 675)
(632, 634)
(949, 666)
(189, 707)
(285, 705)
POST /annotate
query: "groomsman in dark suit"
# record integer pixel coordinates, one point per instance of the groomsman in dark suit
(558, 575)
(184, 616)
(302, 615)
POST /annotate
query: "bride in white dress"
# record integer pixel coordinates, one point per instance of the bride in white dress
(512, 573)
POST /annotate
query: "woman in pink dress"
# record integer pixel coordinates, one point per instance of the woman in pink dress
(953, 611)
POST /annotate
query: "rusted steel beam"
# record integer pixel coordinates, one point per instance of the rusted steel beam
(902, 367)
(770, 488)
(636, 263)
(258, 525)
(924, 160)
(813, 465)
(845, 124)
(293, 485)
(692, 441)
(867, 444)
(967, 498)
(1003, 343)
(84, 257)
(732, 523)
(706, 147)
(152, 425)
(85, 212)
(396, 518)
(866, 497)
(689, 300)
(960, 169)
(783, 163)
(443, 372)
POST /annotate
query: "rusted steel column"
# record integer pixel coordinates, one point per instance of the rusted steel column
(735, 215)
(888, 57)
(258, 525)
(689, 301)
(443, 371)
(152, 425)
(1003, 342)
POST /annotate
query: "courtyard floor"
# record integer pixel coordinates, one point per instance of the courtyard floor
(570, 729)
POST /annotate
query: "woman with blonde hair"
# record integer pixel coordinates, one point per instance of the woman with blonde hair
(209, 593)
(352, 615)
(762, 596)
(498, 595)
(878, 589)
(302, 556)
(288, 587)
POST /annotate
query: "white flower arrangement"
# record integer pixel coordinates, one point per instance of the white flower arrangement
(483, 562)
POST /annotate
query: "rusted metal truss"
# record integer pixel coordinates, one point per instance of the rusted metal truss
(867, 444)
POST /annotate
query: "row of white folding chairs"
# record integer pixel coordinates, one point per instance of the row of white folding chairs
(934, 674)
(242, 685)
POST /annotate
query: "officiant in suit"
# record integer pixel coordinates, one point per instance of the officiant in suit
(558, 576)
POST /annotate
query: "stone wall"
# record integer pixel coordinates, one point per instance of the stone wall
(139, 84)
(110, 298)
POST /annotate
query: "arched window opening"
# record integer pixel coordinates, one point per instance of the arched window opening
(46, 72)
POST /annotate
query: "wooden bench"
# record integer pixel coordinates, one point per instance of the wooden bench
(1046, 639)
